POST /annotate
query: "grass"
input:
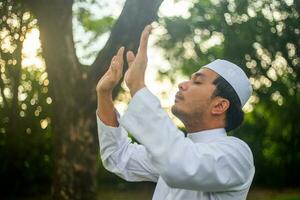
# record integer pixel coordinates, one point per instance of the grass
(145, 191)
(279, 194)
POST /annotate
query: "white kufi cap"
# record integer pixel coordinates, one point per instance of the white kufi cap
(235, 76)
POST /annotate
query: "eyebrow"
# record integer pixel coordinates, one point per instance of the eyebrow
(197, 74)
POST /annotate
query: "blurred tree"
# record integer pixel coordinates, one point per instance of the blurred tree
(264, 38)
(71, 84)
(24, 111)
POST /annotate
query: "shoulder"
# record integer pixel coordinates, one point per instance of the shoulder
(236, 147)
(240, 143)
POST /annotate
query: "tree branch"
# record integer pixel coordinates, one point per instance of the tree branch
(135, 15)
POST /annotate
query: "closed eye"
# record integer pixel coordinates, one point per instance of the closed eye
(197, 82)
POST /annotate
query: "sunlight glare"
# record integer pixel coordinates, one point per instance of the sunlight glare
(31, 49)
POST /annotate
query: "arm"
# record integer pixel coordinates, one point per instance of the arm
(118, 154)
(105, 110)
(223, 166)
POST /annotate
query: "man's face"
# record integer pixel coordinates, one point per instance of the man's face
(193, 100)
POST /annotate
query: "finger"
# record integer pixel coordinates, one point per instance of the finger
(120, 55)
(121, 61)
(144, 40)
(112, 62)
(117, 68)
(114, 66)
(130, 57)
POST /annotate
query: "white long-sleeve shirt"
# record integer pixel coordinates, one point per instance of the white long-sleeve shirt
(207, 165)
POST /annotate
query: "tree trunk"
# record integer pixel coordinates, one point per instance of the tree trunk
(73, 89)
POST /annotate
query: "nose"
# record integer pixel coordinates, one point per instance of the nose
(183, 85)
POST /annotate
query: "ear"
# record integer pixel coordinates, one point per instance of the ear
(220, 105)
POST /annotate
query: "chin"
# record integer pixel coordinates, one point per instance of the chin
(176, 111)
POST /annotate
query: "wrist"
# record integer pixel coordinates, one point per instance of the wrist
(136, 88)
(104, 93)
(104, 99)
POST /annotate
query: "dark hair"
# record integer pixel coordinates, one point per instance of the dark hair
(234, 114)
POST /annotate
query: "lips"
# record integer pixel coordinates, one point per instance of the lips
(178, 96)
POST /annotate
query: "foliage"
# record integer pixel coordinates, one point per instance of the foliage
(94, 25)
(25, 131)
(26, 140)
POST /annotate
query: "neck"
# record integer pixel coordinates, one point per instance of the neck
(193, 126)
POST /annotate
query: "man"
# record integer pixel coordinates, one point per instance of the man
(207, 164)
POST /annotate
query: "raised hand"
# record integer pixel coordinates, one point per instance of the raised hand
(113, 75)
(135, 75)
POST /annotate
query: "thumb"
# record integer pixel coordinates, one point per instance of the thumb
(130, 58)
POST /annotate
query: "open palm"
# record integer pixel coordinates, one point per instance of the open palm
(135, 75)
(113, 75)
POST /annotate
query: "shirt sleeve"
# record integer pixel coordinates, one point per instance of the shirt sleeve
(119, 155)
(181, 163)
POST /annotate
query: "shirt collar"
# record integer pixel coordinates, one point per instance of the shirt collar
(207, 135)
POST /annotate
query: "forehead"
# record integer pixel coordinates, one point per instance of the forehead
(206, 73)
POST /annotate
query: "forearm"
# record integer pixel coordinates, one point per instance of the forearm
(118, 154)
(136, 87)
(105, 109)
